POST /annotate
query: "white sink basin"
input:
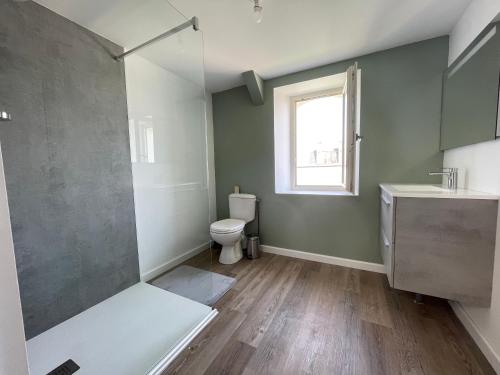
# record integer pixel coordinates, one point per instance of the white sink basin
(432, 191)
(419, 188)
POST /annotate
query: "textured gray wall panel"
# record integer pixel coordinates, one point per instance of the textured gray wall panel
(67, 164)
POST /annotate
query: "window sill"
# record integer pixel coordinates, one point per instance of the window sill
(317, 192)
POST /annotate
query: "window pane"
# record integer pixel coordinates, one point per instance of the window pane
(319, 141)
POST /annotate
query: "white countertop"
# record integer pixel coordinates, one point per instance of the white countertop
(433, 191)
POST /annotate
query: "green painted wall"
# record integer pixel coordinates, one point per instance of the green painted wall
(400, 117)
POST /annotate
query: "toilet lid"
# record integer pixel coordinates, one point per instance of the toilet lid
(227, 226)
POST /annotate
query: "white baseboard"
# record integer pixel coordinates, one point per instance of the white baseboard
(157, 271)
(328, 259)
(481, 341)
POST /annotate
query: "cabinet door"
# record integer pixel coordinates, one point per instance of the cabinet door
(445, 248)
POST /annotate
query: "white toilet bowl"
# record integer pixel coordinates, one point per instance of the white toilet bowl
(228, 233)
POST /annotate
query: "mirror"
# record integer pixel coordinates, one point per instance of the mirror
(471, 93)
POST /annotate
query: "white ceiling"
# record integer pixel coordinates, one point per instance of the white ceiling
(294, 34)
(299, 34)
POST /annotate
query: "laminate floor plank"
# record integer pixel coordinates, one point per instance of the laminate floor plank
(204, 349)
(275, 353)
(261, 314)
(378, 349)
(232, 359)
(256, 286)
(287, 316)
(409, 356)
(323, 326)
(429, 323)
(374, 306)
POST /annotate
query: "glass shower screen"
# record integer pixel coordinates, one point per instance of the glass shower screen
(168, 142)
(166, 103)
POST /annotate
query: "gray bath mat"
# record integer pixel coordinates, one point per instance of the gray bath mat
(198, 285)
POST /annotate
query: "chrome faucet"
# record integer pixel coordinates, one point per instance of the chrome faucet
(451, 173)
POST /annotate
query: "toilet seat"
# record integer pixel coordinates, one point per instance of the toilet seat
(227, 226)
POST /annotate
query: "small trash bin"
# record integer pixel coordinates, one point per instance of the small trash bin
(253, 246)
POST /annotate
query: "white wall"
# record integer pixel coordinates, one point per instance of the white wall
(172, 154)
(12, 345)
(480, 169)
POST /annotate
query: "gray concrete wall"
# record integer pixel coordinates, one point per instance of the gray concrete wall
(67, 164)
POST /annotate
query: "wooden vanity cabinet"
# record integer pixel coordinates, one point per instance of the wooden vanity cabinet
(439, 246)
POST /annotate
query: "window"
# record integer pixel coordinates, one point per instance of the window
(142, 142)
(321, 126)
(318, 141)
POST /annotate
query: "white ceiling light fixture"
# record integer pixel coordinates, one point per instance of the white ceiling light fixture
(257, 10)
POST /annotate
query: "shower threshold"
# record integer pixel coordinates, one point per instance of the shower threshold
(137, 331)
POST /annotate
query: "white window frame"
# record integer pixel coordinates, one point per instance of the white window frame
(293, 138)
(284, 157)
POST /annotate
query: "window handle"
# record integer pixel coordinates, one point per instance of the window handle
(358, 137)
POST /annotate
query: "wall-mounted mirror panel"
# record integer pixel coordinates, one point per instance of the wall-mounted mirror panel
(471, 93)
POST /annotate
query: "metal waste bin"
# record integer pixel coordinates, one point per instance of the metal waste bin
(253, 246)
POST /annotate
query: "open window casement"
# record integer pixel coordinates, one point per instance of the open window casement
(351, 127)
(316, 133)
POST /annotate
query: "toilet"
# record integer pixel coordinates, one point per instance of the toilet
(230, 232)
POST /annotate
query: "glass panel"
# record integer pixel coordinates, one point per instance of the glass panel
(319, 141)
(166, 100)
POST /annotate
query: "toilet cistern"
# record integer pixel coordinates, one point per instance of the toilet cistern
(230, 232)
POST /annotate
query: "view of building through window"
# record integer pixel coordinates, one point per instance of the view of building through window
(319, 138)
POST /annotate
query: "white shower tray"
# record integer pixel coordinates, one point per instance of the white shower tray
(138, 331)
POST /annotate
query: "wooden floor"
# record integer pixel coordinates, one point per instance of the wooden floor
(289, 316)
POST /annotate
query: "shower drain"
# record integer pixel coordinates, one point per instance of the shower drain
(67, 368)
